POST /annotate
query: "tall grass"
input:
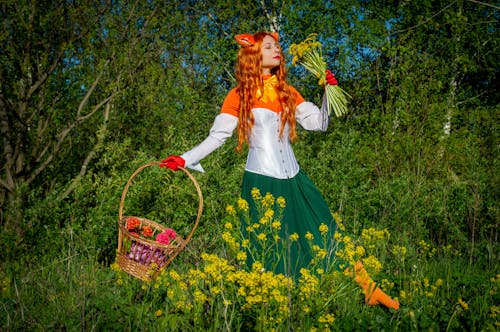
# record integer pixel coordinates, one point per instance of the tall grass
(69, 289)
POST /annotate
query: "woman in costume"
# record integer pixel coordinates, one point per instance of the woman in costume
(264, 109)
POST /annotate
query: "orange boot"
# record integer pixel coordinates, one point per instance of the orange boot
(373, 294)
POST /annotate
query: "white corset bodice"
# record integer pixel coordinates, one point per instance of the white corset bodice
(269, 154)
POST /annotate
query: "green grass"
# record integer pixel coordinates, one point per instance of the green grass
(69, 289)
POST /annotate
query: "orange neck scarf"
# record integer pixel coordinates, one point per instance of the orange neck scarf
(270, 93)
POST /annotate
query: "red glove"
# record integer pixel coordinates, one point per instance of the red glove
(330, 79)
(173, 162)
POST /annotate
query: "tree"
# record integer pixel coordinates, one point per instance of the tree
(63, 68)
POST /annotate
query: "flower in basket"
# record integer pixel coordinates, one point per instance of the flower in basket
(309, 54)
(137, 229)
(166, 236)
(133, 225)
(147, 231)
(148, 254)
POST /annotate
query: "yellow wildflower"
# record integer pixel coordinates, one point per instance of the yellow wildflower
(174, 275)
(371, 235)
(399, 251)
(230, 210)
(302, 48)
(269, 213)
(281, 202)
(276, 225)
(263, 220)
(256, 194)
(195, 273)
(323, 228)
(242, 204)
(268, 200)
(228, 225)
(257, 266)
(228, 238)
(494, 311)
(262, 237)
(241, 256)
(242, 291)
(386, 284)
(371, 262)
(308, 283)
(285, 311)
(199, 296)
(463, 304)
(294, 237)
(309, 236)
(159, 313)
(180, 304)
(321, 254)
(326, 319)
(360, 251)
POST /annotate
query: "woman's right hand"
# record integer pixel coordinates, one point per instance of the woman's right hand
(173, 162)
(330, 78)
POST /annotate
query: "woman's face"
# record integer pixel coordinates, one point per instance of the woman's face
(271, 56)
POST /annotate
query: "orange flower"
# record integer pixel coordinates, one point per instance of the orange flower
(147, 231)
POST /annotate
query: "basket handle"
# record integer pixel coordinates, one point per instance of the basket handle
(129, 182)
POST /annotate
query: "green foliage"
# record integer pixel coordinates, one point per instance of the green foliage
(417, 154)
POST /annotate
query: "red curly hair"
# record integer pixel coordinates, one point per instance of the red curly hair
(249, 76)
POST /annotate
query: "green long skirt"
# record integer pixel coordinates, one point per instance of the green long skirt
(304, 212)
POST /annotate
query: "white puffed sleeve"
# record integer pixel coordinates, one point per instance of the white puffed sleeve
(310, 117)
(222, 128)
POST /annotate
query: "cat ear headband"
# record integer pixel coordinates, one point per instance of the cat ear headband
(247, 39)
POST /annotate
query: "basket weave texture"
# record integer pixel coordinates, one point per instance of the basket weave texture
(153, 256)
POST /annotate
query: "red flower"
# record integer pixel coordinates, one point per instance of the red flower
(171, 233)
(133, 223)
(163, 238)
(167, 236)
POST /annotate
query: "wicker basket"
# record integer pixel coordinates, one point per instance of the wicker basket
(155, 256)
